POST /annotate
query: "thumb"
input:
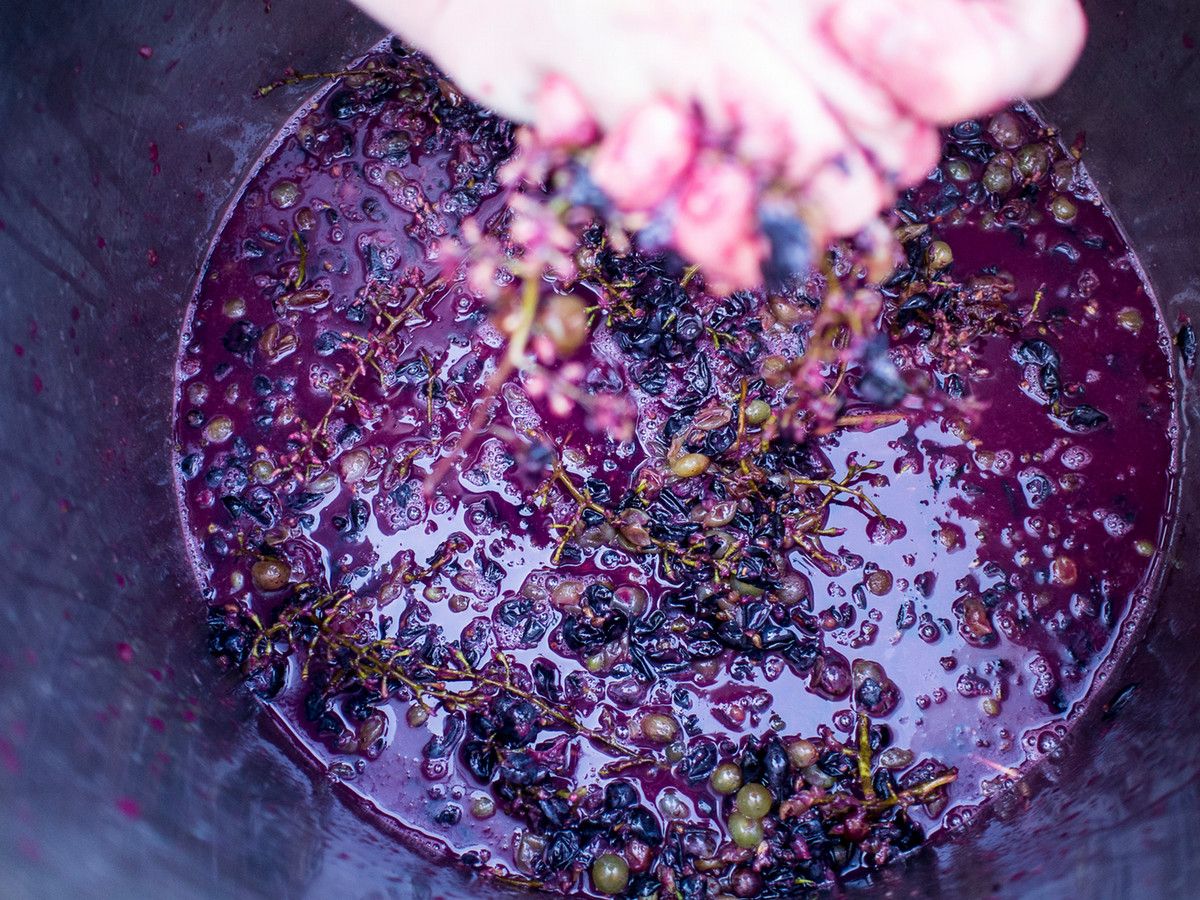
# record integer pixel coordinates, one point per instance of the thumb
(949, 59)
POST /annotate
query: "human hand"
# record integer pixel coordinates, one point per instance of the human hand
(708, 111)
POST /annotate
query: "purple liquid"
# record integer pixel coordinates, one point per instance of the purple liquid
(1018, 555)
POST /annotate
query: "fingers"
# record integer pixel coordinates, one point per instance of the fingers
(895, 143)
(846, 194)
(562, 116)
(716, 224)
(835, 99)
(844, 142)
(923, 147)
(775, 113)
(948, 59)
(790, 126)
(642, 159)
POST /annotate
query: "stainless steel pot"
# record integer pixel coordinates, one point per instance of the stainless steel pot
(127, 766)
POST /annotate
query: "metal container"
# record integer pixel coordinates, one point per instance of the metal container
(128, 766)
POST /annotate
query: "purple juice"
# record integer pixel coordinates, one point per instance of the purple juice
(629, 636)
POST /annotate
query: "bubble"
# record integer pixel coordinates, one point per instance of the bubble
(1076, 457)
(961, 818)
(1116, 525)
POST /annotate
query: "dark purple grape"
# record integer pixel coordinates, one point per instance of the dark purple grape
(719, 440)
(619, 795)
(776, 637)
(885, 785)
(881, 382)
(561, 851)
(572, 555)
(361, 705)
(751, 764)
(512, 612)
(598, 597)
(241, 338)
(775, 766)
(689, 328)
(954, 385)
(533, 631)
(1050, 380)
(1185, 341)
(704, 648)
(304, 500)
(266, 683)
(699, 377)
(555, 811)
(896, 282)
(330, 726)
(441, 746)
(699, 762)
(581, 636)
(943, 202)
(598, 490)
(190, 465)
(869, 693)
(1036, 352)
(546, 680)
(966, 130)
(1085, 418)
(450, 814)
(480, 760)
(490, 569)
(1067, 251)
(836, 764)
(326, 343)
(516, 720)
(643, 825)
(652, 378)
(520, 770)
